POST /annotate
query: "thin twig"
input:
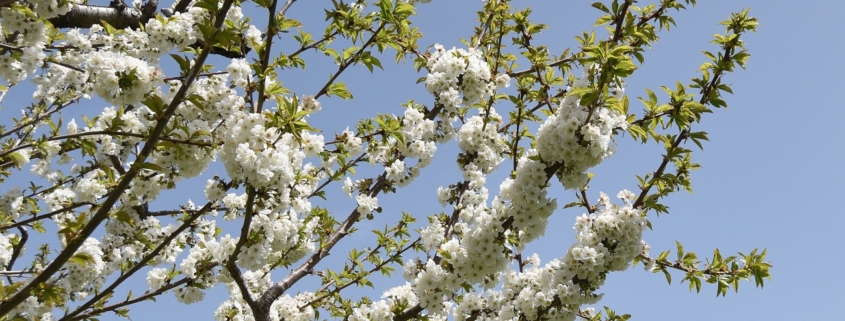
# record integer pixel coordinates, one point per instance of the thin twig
(200, 75)
(231, 264)
(13, 48)
(38, 118)
(349, 62)
(43, 216)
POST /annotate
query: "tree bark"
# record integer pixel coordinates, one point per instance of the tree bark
(117, 14)
(120, 16)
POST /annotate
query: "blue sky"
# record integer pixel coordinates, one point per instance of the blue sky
(769, 176)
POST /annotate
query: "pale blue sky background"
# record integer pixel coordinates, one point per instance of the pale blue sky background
(771, 174)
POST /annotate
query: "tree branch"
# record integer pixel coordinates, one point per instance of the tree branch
(117, 15)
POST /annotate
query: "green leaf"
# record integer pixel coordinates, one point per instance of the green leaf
(368, 60)
(680, 250)
(81, 259)
(404, 9)
(339, 89)
(603, 20)
(18, 159)
(152, 166)
(154, 103)
(601, 6)
(667, 274)
(107, 28)
(624, 68)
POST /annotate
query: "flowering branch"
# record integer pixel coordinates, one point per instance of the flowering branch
(264, 60)
(17, 250)
(103, 212)
(115, 307)
(231, 264)
(47, 215)
(38, 118)
(108, 291)
(362, 276)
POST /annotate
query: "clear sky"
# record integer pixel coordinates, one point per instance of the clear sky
(769, 178)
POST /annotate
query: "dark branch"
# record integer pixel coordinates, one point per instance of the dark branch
(117, 15)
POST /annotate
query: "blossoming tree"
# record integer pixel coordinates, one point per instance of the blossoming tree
(97, 177)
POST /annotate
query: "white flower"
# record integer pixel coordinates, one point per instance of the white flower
(71, 127)
(626, 195)
(366, 204)
(396, 171)
(351, 143)
(240, 72)
(189, 294)
(213, 192)
(310, 104)
(312, 144)
(433, 235)
(156, 278)
(347, 187)
(253, 37)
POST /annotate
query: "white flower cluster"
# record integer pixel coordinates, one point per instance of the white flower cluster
(236, 308)
(121, 79)
(31, 38)
(121, 68)
(175, 161)
(33, 309)
(51, 8)
(11, 203)
(15, 70)
(375, 311)
(420, 135)
(280, 236)
(59, 82)
(605, 242)
(483, 144)
(526, 195)
(209, 249)
(240, 72)
(477, 255)
(79, 279)
(285, 308)
(90, 187)
(6, 250)
(178, 31)
(366, 204)
(350, 142)
(459, 76)
(123, 241)
(580, 143)
(400, 296)
(253, 37)
(262, 155)
(31, 31)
